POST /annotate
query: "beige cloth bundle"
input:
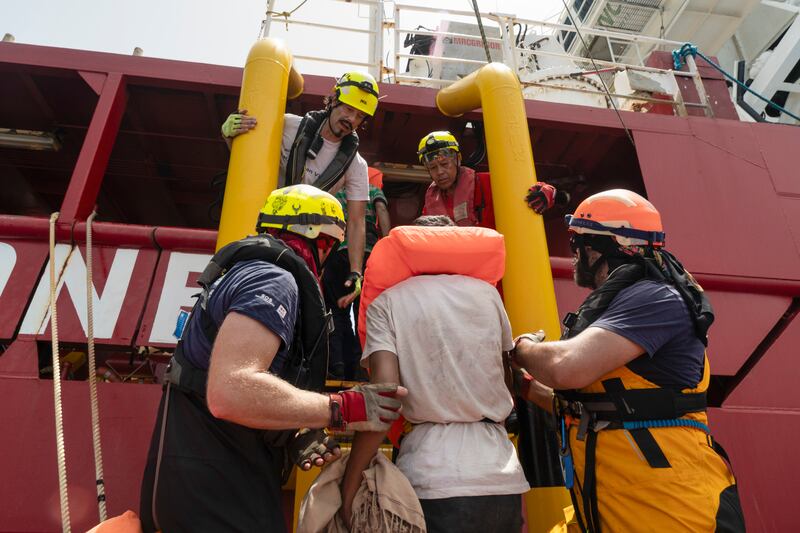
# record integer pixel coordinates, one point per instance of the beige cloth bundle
(385, 502)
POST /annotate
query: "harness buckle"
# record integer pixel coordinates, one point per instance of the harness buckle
(173, 373)
(586, 417)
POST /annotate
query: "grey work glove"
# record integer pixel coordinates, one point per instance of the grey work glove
(537, 337)
(371, 407)
(313, 447)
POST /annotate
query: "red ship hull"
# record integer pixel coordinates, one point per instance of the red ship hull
(141, 142)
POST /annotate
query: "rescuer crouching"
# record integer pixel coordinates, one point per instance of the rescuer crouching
(244, 375)
(627, 381)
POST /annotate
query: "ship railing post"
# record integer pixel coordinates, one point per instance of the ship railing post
(396, 31)
(509, 46)
(698, 83)
(376, 40)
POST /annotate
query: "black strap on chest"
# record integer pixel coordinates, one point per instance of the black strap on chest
(308, 353)
(664, 268)
(307, 144)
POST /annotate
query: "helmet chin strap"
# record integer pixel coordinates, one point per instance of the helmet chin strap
(586, 275)
(610, 255)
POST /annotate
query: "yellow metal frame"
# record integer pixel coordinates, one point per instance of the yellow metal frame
(528, 290)
(255, 157)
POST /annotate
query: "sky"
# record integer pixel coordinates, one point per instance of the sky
(221, 32)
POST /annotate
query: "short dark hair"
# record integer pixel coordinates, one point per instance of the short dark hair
(434, 220)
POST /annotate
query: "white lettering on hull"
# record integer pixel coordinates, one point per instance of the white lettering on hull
(72, 268)
(8, 260)
(176, 294)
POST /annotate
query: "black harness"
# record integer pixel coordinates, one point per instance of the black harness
(633, 409)
(307, 144)
(306, 365)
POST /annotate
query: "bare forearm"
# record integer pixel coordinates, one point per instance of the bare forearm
(365, 446)
(543, 360)
(264, 401)
(579, 361)
(384, 368)
(541, 395)
(384, 221)
(356, 238)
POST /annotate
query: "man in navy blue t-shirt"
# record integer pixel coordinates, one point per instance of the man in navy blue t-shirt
(627, 381)
(247, 374)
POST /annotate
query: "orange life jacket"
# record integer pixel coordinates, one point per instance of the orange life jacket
(416, 250)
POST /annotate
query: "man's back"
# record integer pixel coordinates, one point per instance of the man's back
(449, 332)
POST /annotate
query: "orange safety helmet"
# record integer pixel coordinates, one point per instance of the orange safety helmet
(623, 215)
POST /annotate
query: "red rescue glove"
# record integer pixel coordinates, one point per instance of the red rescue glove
(542, 197)
(522, 382)
(370, 407)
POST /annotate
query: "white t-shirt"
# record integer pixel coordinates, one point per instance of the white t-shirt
(356, 179)
(449, 333)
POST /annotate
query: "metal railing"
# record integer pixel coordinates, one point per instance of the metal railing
(388, 58)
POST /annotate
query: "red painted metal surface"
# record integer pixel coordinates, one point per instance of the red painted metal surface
(109, 233)
(716, 197)
(96, 150)
(157, 71)
(772, 383)
(761, 444)
(16, 288)
(30, 489)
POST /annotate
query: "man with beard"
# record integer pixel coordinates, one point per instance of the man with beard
(321, 149)
(246, 374)
(627, 381)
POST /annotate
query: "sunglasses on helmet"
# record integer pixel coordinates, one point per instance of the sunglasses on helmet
(363, 85)
(430, 157)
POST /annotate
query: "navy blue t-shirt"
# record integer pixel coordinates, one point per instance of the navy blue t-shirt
(256, 289)
(654, 316)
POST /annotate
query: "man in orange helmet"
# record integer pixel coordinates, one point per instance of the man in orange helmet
(627, 381)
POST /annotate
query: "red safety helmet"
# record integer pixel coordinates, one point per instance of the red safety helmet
(623, 215)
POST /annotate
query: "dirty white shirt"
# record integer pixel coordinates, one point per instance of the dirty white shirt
(448, 333)
(355, 179)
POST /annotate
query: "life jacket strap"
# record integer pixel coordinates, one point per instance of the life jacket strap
(186, 377)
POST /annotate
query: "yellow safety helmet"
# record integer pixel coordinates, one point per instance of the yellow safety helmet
(359, 90)
(434, 142)
(305, 210)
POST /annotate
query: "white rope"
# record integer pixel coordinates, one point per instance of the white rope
(98, 454)
(60, 451)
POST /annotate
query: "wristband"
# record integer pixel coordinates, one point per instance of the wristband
(337, 418)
